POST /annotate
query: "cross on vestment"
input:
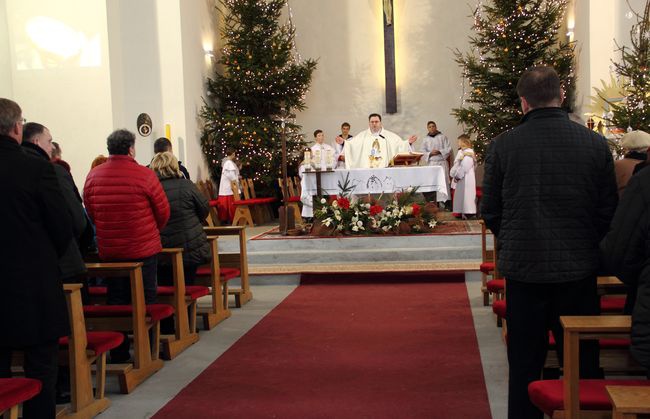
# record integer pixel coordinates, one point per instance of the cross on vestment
(389, 57)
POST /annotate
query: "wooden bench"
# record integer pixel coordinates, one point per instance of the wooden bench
(181, 298)
(207, 190)
(14, 392)
(138, 318)
(85, 349)
(488, 268)
(235, 260)
(218, 310)
(565, 398)
(628, 402)
(264, 207)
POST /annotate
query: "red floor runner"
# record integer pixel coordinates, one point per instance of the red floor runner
(350, 350)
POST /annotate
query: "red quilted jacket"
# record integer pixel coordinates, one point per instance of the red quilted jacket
(129, 208)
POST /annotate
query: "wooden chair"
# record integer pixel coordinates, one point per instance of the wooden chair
(572, 397)
(488, 263)
(629, 401)
(137, 317)
(235, 260)
(242, 207)
(205, 187)
(292, 199)
(181, 297)
(213, 277)
(14, 392)
(85, 349)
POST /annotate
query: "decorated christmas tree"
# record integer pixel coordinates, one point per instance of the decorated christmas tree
(261, 77)
(633, 112)
(510, 37)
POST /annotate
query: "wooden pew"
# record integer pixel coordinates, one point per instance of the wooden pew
(242, 207)
(185, 333)
(14, 392)
(235, 260)
(83, 404)
(146, 360)
(218, 310)
(629, 401)
(292, 199)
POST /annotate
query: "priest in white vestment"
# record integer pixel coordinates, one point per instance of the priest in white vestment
(374, 147)
(436, 151)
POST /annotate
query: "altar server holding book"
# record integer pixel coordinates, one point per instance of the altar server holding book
(464, 178)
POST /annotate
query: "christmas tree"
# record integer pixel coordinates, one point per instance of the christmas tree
(262, 77)
(633, 112)
(511, 36)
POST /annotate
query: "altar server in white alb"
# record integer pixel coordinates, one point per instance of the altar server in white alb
(436, 150)
(339, 145)
(374, 147)
(225, 200)
(464, 178)
(323, 154)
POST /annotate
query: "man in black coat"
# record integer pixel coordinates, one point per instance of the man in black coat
(626, 251)
(36, 228)
(549, 193)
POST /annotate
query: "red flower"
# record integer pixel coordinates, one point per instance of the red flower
(416, 210)
(343, 202)
(376, 209)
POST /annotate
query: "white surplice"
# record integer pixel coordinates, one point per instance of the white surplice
(367, 150)
(464, 182)
(229, 173)
(439, 142)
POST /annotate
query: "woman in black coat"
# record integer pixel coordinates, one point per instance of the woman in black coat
(188, 210)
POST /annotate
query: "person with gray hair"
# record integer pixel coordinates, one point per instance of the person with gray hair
(549, 194)
(38, 230)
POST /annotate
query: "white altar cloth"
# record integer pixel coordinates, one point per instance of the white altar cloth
(375, 181)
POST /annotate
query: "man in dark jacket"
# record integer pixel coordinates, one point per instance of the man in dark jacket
(163, 144)
(626, 252)
(37, 229)
(37, 142)
(549, 193)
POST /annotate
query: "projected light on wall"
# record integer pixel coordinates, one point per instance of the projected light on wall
(46, 42)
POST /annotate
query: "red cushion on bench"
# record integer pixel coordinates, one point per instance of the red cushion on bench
(499, 308)
(192, 291)
(97, 291)
(14, 391)
(99, 342)
(486, 267)
(496, 285)
(612, 304)
(293, 199)
(214, 202)
(253, 201)
(548, 395)
(226, 273)
(268, 200)
(611, 343)
(155, 311)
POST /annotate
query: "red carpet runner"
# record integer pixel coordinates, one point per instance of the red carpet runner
(401, 348)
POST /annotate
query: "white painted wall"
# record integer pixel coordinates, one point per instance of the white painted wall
(6, 83)
(347, 39)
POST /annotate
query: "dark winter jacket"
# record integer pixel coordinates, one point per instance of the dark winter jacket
(128, 206)
(549, 193)
(71, 263)
(626, 251)
(184, 229)
(36, 231)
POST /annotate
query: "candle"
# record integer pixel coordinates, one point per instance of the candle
(317, 159)
(168, 131)
(307, 158)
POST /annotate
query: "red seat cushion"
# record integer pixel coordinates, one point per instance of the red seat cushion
(214, 202)
(97, 291)
(486, 267)
(612, 304)
(293, 199)
(603, 343)
(192, 291)
(479, 192)
(226, 273)
(14, 391)
(156, 312)
(253, 201)
(496, 285)
(548, 395)
(99, 342)
(267, 200)
(499, 308)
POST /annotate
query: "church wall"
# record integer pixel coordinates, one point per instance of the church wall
(347, 39)
(6, 84)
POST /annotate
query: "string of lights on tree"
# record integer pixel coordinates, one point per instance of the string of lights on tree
(510, 37)
(633, 112)
(261, 77)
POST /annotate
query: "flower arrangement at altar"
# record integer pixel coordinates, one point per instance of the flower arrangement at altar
(401, 213)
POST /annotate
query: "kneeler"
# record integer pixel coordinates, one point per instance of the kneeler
(15, 391)
(181, 297)
(136, 317)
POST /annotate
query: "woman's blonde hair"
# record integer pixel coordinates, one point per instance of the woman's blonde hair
(464, 138)
(165, 165)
